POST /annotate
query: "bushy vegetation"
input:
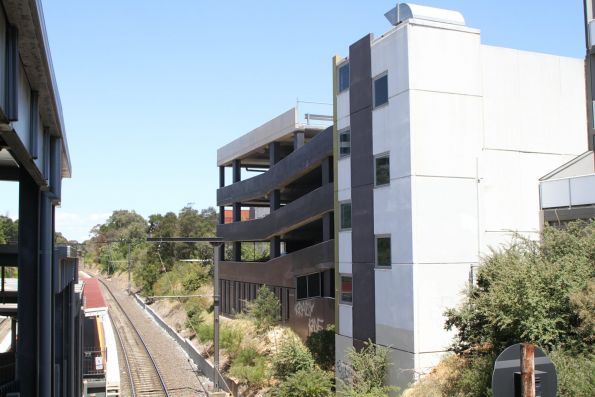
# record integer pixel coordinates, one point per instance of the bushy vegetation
(291, 357)
(311, 382)
(532, 291)
(367, 369)
(151, 260)
(322, 346)
(264, 310)
(250, 367)
(9, 230)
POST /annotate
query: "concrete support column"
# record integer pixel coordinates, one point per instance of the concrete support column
(274, 153)
(327, 170)
(298, 139)
(237, 209)
(237, 245)
(236, 171)
(221, 248)
(327, 226)
(27, 371)
(275, 247)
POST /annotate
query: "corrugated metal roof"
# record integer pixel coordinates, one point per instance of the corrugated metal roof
(92, 295)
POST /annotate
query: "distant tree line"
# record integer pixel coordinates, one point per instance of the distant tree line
(9, 230)
(108, 245)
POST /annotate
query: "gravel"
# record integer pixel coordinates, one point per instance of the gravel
(178, 371)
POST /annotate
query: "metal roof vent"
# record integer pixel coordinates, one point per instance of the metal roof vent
(405, 11)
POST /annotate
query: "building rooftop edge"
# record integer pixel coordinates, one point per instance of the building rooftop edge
(270, 131)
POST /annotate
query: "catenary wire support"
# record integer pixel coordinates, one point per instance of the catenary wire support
(215, 242)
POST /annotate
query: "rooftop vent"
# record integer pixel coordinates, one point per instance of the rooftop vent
(405, 11)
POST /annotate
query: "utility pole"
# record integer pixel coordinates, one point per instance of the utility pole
(589, 73)
(215, 242)
(216, 306)
(527, 370)
(129, 267)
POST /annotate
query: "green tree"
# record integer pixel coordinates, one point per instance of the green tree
(322, 346)
(163, 226)
(531, 292)
(9, 230)
(265, 309)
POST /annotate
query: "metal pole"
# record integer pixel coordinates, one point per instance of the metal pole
(216, 301)
(527, 370)
(129, 268)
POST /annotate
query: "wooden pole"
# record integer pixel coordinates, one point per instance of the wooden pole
(527, 370)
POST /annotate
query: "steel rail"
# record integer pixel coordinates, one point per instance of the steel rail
(161, 381)
(128, 369)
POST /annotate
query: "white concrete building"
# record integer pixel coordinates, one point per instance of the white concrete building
(440, 145)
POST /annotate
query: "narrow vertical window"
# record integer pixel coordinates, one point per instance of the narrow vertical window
(346, 289)
(343, 77)
(383, 256)
(302, 287)
(380, 89)
(382, 170)
(346, 215)
(344, 143)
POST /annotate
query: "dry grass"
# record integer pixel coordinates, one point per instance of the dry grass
(433, 383)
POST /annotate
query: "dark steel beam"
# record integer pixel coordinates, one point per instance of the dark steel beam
(27, 344)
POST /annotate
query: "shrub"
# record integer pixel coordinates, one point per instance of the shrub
(205, 331)
(474, 377)
(368, 368)
(249, 367)
(576, 374)
(146, 275)
(531, 292)
(312, 382)
(199, 276)
(230, 339)
(291, 357)
(264, 310)
(322, 346)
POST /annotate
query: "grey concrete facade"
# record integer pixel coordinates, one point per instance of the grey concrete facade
(362, 185)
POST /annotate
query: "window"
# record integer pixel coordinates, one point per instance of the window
(382, 169)
(346, 289)
(308, 286)
(344, 143)
(343, 77)
(380, 89)
(302, 287)
(345, 215)
(383, 251)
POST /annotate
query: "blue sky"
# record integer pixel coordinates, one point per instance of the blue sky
(150, 89)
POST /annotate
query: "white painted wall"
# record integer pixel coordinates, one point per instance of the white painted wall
(470, 130)
(346, 320)
(343, 109)
(345, 264)
(344, 178)
(533, 102)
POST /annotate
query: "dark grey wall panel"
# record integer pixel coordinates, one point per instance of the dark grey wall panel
(362, 185)
(290, 168)
(281, 271)
(301, 211)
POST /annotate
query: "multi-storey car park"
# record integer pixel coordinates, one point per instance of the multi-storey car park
(441, 143)
(288, 243)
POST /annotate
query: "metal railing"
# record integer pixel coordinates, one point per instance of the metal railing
(94, 362)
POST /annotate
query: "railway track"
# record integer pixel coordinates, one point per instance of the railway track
(144, 376)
